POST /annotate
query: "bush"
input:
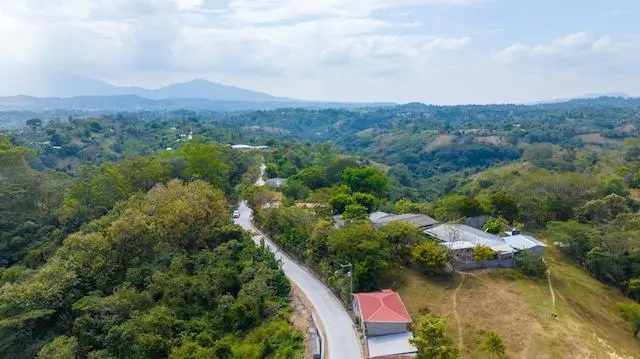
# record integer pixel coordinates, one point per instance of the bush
(495, 226)
(355, 212)
(482, 253)
(530, 265)
(431, 257)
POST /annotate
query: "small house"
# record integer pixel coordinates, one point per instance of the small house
(385, 322)
(381, 313)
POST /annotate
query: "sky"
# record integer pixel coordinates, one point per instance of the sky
(432, 51)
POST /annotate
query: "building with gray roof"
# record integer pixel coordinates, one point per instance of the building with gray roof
(521, 242)
(379, 219)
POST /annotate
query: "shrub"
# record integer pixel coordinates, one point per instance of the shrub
(431, 257)
(530, 265)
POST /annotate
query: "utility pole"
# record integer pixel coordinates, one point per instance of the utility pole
(350, 275)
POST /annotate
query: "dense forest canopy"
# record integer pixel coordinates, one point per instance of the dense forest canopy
(115, 238)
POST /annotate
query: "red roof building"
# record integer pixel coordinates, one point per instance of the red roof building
(381, 313)
(382, 307)
(385, 322)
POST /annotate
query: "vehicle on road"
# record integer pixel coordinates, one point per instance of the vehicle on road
(236, 214)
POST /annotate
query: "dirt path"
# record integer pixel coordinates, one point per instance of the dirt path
(553, 293)
(456, 314)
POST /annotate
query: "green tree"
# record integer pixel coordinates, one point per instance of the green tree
(482, 253)
(495, 226)
(504, 205)
(631, 313)
(632, 149)
(405, 205)
(540, 155)
(595, 211)
(402, 236)
(366, 248)
(366, 180)
(204, 161)
(614, 184)
(340, 202)
(271, 171)
(577, 239)
(355, 212)
(295, 189)
(34, 123)
(493, 346)
(633, 288)
(455, 207)
(431, 257)
(313, 177)
(431, 341)
(606, 265)
(319, 242)
(531, 265)
(61, 347)
(366, 200)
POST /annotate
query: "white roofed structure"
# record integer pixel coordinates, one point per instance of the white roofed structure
(522, 242)
(391, 346)
(461, 236)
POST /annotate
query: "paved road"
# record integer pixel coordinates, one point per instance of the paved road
(342, 341)
(260, 181)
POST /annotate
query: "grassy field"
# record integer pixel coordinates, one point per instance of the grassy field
(520, 311)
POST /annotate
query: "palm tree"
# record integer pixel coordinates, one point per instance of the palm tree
(493, 346)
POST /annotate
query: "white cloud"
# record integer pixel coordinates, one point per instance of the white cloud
(448, 43)
(577, 44)
(320, 49)
(269, 11)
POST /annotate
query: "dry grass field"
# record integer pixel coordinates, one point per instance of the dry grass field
(520, 311)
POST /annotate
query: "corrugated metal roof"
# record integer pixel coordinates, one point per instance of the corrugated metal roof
(378, 215)
(382, 307)
(419, 220)
(459, 245)
(451, 233)
(521, 242)
(388, 345)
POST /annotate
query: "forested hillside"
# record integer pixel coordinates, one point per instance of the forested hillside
(163, 274)
(103, 187)
(125, 259)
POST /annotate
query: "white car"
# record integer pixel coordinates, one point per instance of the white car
(236, 214)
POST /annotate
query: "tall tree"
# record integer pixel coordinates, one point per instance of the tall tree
(431, 340)
(366, 180)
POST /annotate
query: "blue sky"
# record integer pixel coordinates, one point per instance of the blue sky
(434, 51)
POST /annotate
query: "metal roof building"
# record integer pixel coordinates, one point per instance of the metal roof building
(461, 236)
(391, 346)
(379, 219)
(521, 242)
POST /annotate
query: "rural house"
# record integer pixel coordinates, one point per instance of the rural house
(385, 322)
(461, 240)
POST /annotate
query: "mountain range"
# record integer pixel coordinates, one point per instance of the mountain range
(41, 83)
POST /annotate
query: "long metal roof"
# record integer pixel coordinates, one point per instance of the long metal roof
(452, 233)
(521, 242)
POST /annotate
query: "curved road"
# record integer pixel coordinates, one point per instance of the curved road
(342, 342)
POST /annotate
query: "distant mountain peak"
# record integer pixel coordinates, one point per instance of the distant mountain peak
(53, 83)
